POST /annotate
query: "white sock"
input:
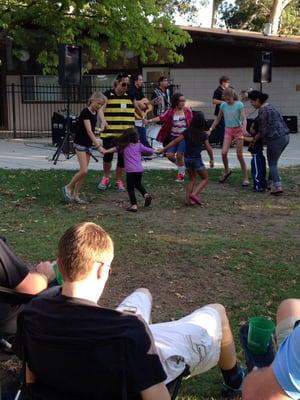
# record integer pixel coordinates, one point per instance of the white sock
(181, 170)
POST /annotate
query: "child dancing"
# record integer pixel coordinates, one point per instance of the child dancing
(83, 142)
(195, 139)
(258, 161)
(235, 128)
(132, 150)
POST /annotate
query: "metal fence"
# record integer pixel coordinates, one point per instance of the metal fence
(29, 109)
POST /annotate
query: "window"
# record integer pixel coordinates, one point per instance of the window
(40, 88)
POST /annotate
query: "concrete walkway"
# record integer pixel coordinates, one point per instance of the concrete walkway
(37, 154)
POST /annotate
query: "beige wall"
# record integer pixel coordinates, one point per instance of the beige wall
(198, 86)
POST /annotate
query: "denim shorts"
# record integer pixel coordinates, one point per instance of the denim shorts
(86, 149)
(178, 148)
(195, 163)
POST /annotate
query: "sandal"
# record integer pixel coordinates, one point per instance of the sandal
(195, 199)
(224, 177)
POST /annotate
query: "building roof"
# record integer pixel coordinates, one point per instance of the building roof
(242, 35)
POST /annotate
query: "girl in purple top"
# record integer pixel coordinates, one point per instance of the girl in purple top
(132, 151)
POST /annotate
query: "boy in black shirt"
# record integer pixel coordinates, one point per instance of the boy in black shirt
(73, 315)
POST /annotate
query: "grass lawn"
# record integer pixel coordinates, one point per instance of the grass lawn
(242, 249)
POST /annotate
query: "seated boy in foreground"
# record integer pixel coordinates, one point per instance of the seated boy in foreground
(199, 341)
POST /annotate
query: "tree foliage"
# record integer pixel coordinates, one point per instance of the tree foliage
(104, 28)
(253, 14)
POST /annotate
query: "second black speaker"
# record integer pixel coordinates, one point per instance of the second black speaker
(263, 67)
(69, 68)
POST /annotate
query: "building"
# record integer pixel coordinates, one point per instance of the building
(212, 53)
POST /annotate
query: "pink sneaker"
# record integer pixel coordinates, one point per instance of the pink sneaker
(179, 178)
(104, 183)
(120, 186)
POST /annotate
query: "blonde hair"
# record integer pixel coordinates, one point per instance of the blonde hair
(80, 247)
(230, 93)
(97, 96)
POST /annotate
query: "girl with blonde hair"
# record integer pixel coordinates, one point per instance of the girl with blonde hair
(235, 128)
(84, 140)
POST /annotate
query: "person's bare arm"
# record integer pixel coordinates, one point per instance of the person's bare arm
(171, 144)
(216, 101)
(138, 108)
(29, 375)
(244, 120)
(262, 385)
(156, 392)
(104, 124)
(108, 151)
(33, 283)
(209, 152)
(149, 121)
(216, 122)
(88, 127)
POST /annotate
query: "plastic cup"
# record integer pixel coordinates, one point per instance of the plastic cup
(260, 334)
(59, 278)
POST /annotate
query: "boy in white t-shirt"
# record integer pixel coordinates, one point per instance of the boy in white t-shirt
(199, 341)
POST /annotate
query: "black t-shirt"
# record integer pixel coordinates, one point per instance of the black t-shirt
(82, 136)
(193, 148)
(12, 272)
(50, 321)
(136, 93)
(218, 95)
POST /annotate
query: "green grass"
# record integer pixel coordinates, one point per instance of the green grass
(241, 250)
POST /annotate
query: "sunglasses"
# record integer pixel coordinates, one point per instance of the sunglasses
(124, 84)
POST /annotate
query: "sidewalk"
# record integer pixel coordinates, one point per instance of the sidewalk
(37, 154)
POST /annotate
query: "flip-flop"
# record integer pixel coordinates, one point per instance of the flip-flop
(195, 199)
(225, 177)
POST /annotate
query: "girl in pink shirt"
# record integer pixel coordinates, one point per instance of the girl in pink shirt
(132, 151)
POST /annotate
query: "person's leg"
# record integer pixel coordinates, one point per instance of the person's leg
(239, 153)
(107, 160)
(204, 181)
(180, 162)
(275, 148)
(119, 173)
(288, 313)
(225, 149)
(171, 156)
(190, 186)
(79, 183)
(138, 183)
(232, 373)
(139, 303)
(80, 175)
(130, 182)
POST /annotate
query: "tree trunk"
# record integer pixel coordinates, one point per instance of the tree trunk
(214, 16)
(277, 8)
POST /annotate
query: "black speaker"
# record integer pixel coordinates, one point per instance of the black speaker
(263, 67)
(291, 122)
(69, 67)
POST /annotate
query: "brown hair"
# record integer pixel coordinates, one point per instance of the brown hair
(80, 247)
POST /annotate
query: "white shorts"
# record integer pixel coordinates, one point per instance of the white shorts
(194, 340)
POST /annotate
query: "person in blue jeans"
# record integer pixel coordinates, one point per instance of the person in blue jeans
(195, 138)
(258, 161)
(273, 131)
(281, 380)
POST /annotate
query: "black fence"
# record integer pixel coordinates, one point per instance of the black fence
(29, 109)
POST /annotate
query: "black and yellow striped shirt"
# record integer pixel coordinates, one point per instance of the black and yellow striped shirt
(119, 114)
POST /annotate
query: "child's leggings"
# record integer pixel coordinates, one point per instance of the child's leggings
(134, 181)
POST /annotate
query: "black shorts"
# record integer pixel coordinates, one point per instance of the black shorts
(107, 144)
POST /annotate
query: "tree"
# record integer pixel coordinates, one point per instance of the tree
(104, 28)
(284, 15)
